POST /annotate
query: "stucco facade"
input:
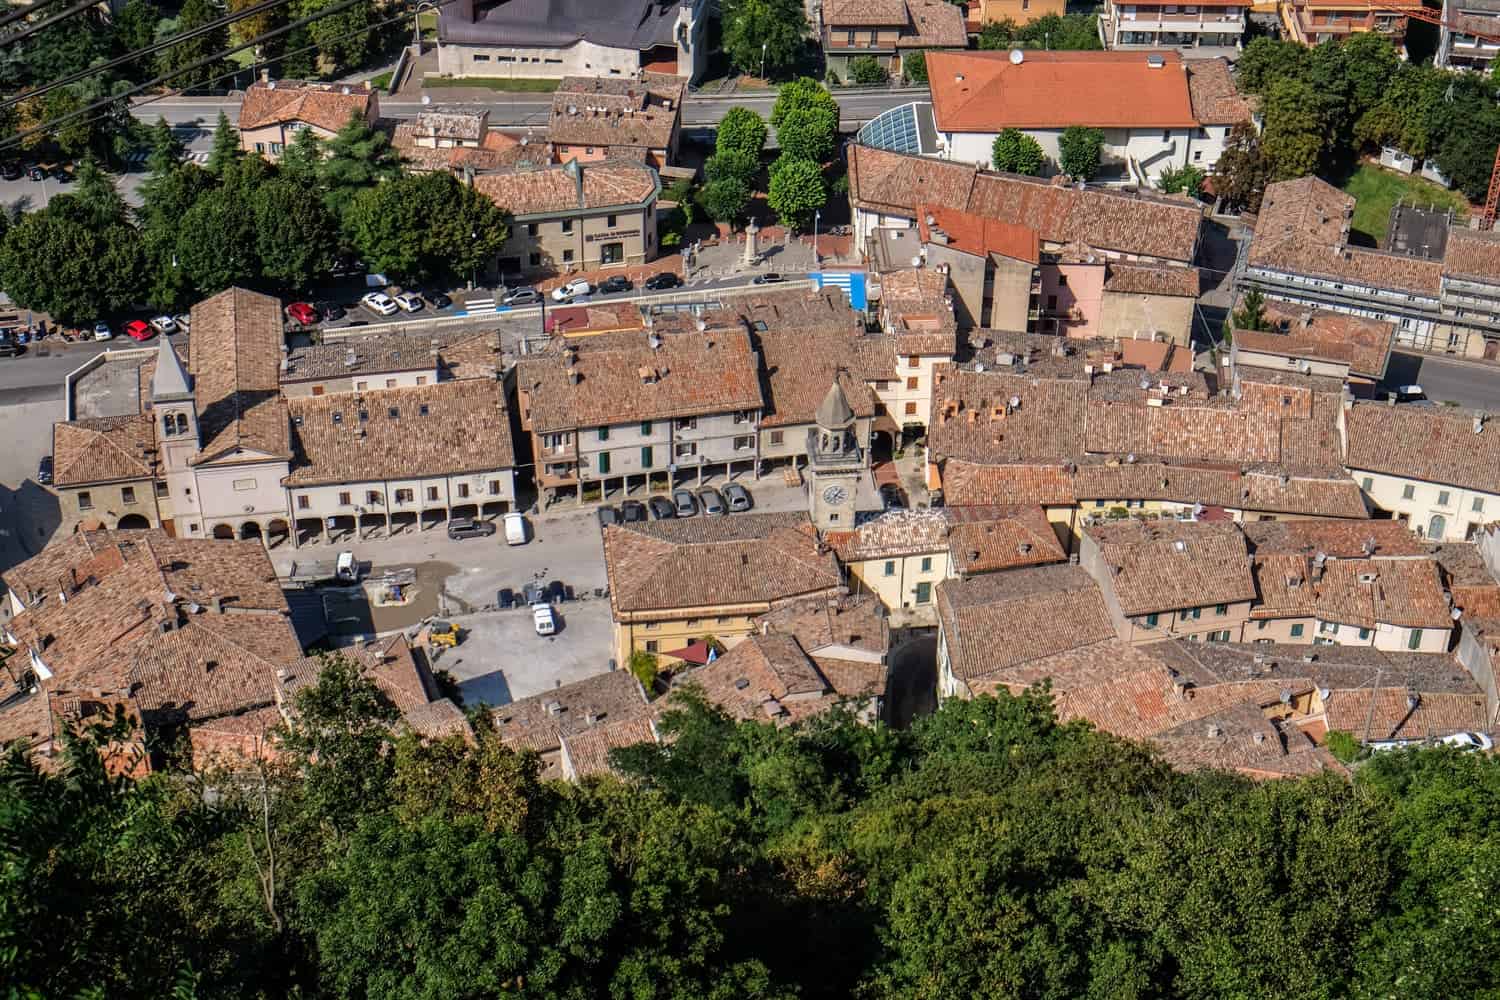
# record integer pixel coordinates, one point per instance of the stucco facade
(1436, 512)
(1384, 636)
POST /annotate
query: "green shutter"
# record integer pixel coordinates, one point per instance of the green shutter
(646, 453)
(603, 463)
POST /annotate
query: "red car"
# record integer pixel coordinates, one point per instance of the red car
(303, 313)
(139, 329)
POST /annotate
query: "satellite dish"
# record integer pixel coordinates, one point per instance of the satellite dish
(1017, 57)
(426, 99)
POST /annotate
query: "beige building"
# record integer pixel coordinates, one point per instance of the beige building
(901, 556)
(917, 314)
(633, 118)
(885, 30)
(1170, 579)
(1434, 469)
(273, 112)
(461, 139)
(106, 474)
(1148, 302)
(678, 580)
(575, 216)
(1353, 349)
(640, 409)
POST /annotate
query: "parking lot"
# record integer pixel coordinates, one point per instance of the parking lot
(502, 658)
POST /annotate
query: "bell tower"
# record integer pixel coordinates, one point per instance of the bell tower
(835, 463)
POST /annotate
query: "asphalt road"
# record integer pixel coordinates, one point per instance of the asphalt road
(1467, 383)
(515, 109)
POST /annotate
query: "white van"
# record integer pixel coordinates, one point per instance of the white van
(515, 529)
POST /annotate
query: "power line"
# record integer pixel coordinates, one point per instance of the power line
(151, 49)
(19, 13)
(33, 29)
(52, 124)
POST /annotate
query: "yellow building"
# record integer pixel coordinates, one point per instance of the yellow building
(676, 580)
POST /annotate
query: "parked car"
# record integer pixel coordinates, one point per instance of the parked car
(11, 171)
(515, 529)
(184, 322)
(44, 471)
(712, 502)
(892, 498)
(467, 527)
(60, 174)
(556, 592)
(1406, 393)
(607, 515)
(164, 324)
(331, 311)
(543, 620)
(302, 312)
(438, 300)
(379, 303)
(684, 503)
(769, 278)
(139, 329)
(505, 599)
(662, 509)
(36, 174)
(410, 302)
(522, 297)
(533, 592)
(738, 498)
(664, 280)
(1459, 741)
(10, 343)
(566, 292)
(103, 332)
(632, 511)
(615, 283)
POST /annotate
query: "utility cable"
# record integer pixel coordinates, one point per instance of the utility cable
(26, 11)
(49, 22)
(148, 50)
(53, 123)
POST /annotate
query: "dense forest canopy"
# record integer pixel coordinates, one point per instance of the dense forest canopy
(987, 852)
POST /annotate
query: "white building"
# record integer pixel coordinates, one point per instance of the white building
(1218, 23)
(1470, 35)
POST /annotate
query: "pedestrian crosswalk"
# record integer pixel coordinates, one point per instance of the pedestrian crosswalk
(137, 157)
(852, 283)
(479, 306)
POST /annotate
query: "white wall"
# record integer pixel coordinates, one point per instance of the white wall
(1389, 493)
(1119, 144)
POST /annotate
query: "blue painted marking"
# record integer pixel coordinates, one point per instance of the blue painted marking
(852, 283)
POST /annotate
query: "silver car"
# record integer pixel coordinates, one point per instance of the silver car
(712, 502)
(738, 497)
(684, 502)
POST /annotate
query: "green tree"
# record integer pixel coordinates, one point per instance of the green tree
(805, 134)
(1266, 60)
(166, 151)
(1001, 34)
(914, 66)
(731, 165)
(296, 238)
(343, 39)
(643, 666)
(302, 158)
(1241, 173)
(59, 261)
(796, 191)
(865, 71)
(422, 226)
(764, 36)
(725, 199)
(1018, 153)
(741, 131)
(1186, 180)
(1080, 151)
(1251, 315)
(135, 28)
(176, 59)
(225, 151)
(357, 157)
(95, 197)
(216, 241)
(805, 94)
(1294, 136)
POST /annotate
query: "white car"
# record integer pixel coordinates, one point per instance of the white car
(410, 302)
(515, 529)
(163, 324)
(1468, 741)
(541, 617)
(103, 332)
(184, 322)
(379, 303)
(563, 293)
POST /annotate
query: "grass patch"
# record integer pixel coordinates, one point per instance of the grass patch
(493, 83)
(1376, 191)
(380, 82)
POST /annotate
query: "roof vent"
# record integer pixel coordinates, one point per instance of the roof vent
(1156, 61)
(655, 342)
(1214, 732)
(344, 91)
(741, 683)
(1260, 737)
(553, 707)
(1017, 57)
(1180, 545)
(1478, 424)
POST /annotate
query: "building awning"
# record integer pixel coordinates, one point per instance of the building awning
(696, 652)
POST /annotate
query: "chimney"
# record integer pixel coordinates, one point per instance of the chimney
(573, 376)
(217, 603)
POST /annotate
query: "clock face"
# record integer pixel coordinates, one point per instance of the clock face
(835, 495)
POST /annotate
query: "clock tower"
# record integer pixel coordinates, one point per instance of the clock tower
(835, 464)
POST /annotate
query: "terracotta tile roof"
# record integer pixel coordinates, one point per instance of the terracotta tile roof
(497, 151)
(806, 343)
(1156, 356)
(1475, 591)
(604, 111)
(1337, 539)
(235, 354)
(1148, 279)
(749, 559)
(439, 122)
(1401, 592)
(865, 13)
(690, 375)
(477, 355)
(450, 428)
(568, 188)
(540, 721)
(1392, 716)
(1303, 228)
(986, 92)
(832, 625)
(1214, 97)
(998, 621)
(918, 312)
(1221, 486)
(1364, 344)
(213, 665)
(979, 539)
(104, 449)
(1140, 224)
(976, 234)
(1472, 255)
(1241, 738)
(326, 105)
(395, 352)
(934, 24)
(1430, 444)
(970, 483)
(763, 678)
(1154, 566)
(973, 418)
(402, 675)
(587, 753)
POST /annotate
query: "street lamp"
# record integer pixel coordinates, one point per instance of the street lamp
(816, 216)
(763, 47)
(416, 26)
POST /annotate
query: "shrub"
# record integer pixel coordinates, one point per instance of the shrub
(865, 71)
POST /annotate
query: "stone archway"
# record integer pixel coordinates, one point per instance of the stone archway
(250, 530)
(224, 532)
(277, 533)
(133, 522)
